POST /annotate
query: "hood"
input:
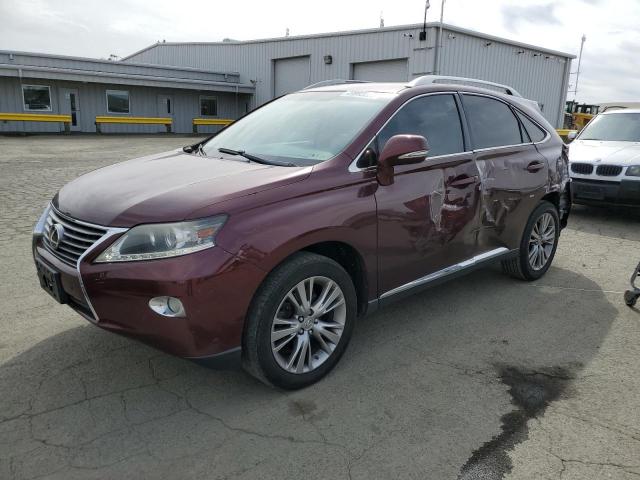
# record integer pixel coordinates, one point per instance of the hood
(166, 187)
(618, 153)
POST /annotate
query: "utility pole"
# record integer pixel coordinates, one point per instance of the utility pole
(575, 90)
(423, 33)
(436, 56)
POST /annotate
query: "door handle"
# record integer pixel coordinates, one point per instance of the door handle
(534, 166)
(464, 181)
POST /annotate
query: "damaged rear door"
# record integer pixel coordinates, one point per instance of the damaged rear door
(513, 174)
(427, 219)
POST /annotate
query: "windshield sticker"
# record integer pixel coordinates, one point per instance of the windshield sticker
(367, 94)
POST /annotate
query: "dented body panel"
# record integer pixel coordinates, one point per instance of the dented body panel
(510, 192)
(427, 219)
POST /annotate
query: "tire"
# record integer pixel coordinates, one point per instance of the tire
(326, 335)
(630, 298)
(521, 266)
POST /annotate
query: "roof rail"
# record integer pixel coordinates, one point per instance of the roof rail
(472, 82)
(335, 81)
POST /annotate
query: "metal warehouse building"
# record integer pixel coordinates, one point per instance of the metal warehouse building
(86, 89)
(205, 82)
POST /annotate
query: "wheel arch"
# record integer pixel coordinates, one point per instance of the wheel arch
(562, 202)
(343, 253)
(350, 259)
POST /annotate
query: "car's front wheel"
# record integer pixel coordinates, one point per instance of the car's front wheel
(538, 245)
(300, 322)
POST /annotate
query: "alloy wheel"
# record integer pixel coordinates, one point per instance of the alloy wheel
(308, 324)
(542, 241)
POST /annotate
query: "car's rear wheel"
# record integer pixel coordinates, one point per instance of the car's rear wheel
(631, 298)
(300, 322)
(538, 245)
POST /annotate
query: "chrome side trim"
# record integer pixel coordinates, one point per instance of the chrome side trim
(447, 271)
(501, 147)
(416, 154)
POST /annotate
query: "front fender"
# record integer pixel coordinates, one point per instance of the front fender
(266, 228)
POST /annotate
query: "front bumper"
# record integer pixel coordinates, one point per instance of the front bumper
(214, 286)
(599, 192)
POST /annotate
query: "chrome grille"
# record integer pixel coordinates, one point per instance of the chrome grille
(609, 170)
(582, 168)
(77, 238)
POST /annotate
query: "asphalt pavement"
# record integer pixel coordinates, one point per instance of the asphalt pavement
(484, 377)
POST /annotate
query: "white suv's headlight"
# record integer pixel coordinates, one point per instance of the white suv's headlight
(148, 242)
(633, 171)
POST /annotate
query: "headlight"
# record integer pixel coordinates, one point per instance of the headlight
(633, 171)
(148, 242)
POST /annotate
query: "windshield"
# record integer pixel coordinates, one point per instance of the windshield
(613, 127)
(303, 128)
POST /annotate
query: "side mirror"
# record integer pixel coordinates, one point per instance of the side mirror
(400, 150)
(571, 136)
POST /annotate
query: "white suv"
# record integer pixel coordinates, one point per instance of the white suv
(604, 160)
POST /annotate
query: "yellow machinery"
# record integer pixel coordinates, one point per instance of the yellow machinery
(577, 115)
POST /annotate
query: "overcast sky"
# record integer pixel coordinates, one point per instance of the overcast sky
(97, 28)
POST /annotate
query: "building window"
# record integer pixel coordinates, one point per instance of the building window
(208, 106)
(117, 101)
(36, 97)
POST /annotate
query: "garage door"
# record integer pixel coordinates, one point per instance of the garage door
(382, 71)
(291, 74)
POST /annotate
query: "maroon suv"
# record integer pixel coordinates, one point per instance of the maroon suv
(265, 243)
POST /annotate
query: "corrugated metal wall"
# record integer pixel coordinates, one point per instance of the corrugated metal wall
(254, 60)
(143, 102)
(537, 75)
(11, 102)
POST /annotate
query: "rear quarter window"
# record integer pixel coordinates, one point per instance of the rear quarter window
(536, 134)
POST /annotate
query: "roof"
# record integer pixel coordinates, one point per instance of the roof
(621, 110)
(398, 88)
(414, 26)
(91, 70)
(386, 87)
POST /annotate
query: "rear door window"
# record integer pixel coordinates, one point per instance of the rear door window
(435, 117)
(491, 122)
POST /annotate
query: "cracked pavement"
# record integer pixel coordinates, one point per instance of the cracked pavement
(414, 396)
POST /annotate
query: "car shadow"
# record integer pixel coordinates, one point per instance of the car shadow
(417, 391)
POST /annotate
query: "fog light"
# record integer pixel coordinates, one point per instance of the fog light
(167, 306)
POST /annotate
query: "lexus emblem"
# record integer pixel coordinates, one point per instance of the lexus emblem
(56, 234)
